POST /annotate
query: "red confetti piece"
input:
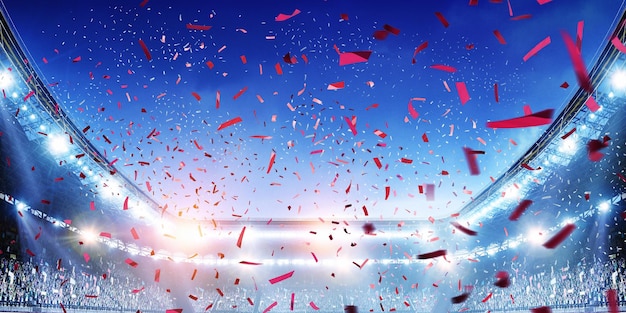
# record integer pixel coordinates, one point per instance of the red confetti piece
(86, 257)
(594, 146)
(592, 104)
(278, 68)
(487, 298)
(421, 47)
(536, 119)
(336, 86)
(312, 304)
(542, 44)
(391, 29)
(579, 65)
(462, 90)
(76, 59)
(464, 229)
(432, 255)
(560, 236)
(519, 210)
(564, 85)
(280, 278)
(145, 49)
(134, 233)
(241, 92)
(197, 27)
(270, 307)
(30, 94)
(63, 307)
(157, 275)
(424, 137)
(541, 309)
(174, 311)
(240, 239)
(293, 300)
(380, 133)
(430, 194)
(131, 262)
(569, 133)
(406, 161)
(271, 162)
(442, 19)
(471, 160)
(283, 17)
(495, 92)
(347, 58)
(617, 43)
(381, 34)
(105, 234)
(378, 163)
(351, 124)
(499, 37)
(445, 68)
(611, 299)
(230, 123)
(414, 114)
(460, 298)
(196, 95)
(503, 280)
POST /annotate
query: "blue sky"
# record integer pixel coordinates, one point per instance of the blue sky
(321, 168)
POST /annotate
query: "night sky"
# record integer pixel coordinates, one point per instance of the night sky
(227, 113)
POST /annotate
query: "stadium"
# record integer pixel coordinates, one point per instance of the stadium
(313, 156)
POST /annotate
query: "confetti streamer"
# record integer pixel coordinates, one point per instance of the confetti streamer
(499, 37)
(611, 299)
(281, 278)
(347, 58)
(230, 123)
(577, 61)
(240, 239)
(445, 68)
(520, 209)
(312, 304)
(536, 119)
(442, 19)
(197, 27)
(462, 90)
(145, 49)
(541, 309)
(460, 298)
(414, 114)
(487, 297)
(471, 160)
(464, 229)
(542, 44)
(283, 17)
(560, 236)
(432, 255)
(270, 307)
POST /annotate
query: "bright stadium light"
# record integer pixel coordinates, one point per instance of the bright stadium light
(88, 236)
(535, 236)
(6, 80)
(618, 80)
(604, 206)
(58, 144)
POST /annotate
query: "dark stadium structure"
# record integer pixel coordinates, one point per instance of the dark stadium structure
(83, 231)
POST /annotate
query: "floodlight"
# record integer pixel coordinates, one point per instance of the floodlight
(58, 144)
(618, 80)
(6, 80)
(604, 206)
